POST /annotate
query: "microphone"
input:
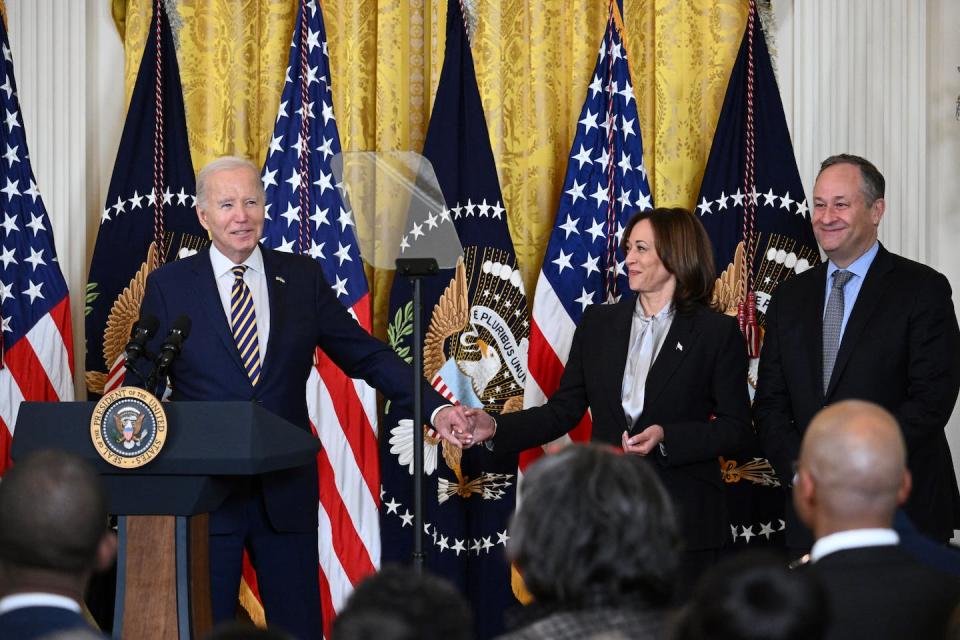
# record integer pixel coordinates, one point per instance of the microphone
(170, 349)
(140, 334)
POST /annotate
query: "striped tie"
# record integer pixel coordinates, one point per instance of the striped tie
(243, 323)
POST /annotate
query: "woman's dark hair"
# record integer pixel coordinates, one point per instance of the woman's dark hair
(398, 603)
(754, 596)
(594, 527)
(685, 250)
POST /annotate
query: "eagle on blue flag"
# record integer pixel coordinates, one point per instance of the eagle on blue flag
(754, 208)
(474, 354)
(149, 216)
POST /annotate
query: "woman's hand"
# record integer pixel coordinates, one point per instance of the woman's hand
(644, 442)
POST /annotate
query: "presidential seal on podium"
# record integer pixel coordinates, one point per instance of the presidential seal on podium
(128, 427)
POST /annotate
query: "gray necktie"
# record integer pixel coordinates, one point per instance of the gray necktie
(639, 360)
(832, 321)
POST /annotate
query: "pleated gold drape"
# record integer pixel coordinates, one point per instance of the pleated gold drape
(533, 60)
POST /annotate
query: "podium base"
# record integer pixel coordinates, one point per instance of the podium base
(163, 578)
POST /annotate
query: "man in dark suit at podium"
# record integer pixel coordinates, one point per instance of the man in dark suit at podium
(851, 477)
(53, 536)
(867, 324)
(257, 316)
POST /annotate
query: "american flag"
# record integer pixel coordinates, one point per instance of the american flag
(37, 346)
(606, 182)
(306, 214)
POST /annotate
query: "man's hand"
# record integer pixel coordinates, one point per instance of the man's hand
(452, 424)
(483, 428)
(644, 442)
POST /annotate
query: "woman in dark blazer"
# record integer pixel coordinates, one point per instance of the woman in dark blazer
(679, 411)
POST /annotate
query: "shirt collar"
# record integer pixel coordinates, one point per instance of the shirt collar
(858, 267)
(37, 599)
(853, 539)
(222, 265)
(664, 313)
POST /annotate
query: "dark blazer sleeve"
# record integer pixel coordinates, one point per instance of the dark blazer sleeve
(773, 414)
(539, 425)
(728, 430)
(361, 355)
(933, 361)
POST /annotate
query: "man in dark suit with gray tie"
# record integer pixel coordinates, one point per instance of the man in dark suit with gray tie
(851, 477)
(53, 536)
(871, 325)
(257, 317)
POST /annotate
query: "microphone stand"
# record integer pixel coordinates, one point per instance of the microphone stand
(131, 367)
(416, 269)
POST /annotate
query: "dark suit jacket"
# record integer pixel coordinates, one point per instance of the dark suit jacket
(876, 593)
(696, 390)
(304, 314)
(900, 349)
(36, 622)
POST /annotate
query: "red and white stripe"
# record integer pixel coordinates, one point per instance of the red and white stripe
(343, 412)
(38, 367)
(551, 334)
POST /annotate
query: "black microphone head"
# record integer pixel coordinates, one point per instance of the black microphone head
(147, 326)
(182, 326)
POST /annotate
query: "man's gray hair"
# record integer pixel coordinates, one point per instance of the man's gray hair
(873, 184)
(224, 163)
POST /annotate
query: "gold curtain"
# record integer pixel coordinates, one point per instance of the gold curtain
(533, 61)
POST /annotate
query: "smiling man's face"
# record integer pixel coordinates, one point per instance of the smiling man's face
(233, 212)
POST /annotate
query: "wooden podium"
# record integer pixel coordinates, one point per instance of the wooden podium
(163, 572)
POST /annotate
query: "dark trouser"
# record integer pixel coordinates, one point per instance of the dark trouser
(287, 572)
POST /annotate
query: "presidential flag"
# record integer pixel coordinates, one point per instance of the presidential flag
(36, 352)
(606, 182)
(306, 214)
(149, 216)
(476, 322)
(754, 209)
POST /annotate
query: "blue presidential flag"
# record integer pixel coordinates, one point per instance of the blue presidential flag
(149, 216)
(754, 208)
(476, 322)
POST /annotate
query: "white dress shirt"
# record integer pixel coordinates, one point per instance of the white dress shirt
(654, 330)
(853, 539)
(256, 279)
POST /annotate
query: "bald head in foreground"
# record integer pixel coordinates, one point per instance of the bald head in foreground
(53, 536)
(852, 472)
(851, 477)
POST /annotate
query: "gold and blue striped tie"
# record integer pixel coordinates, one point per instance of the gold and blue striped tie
(243, 323)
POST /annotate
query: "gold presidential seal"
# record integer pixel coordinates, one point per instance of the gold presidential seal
(128, 427)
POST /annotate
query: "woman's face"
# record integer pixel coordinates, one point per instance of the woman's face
(645, 270)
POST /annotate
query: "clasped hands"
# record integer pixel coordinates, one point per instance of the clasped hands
(464, 427)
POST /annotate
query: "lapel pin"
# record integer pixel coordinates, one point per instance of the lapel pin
(679, 347)
(280, 280)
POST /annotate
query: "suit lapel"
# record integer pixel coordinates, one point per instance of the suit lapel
(276, 292)
(615, 352)
(870, 293)
(205, 283)
(811, 320)
(675, 348)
